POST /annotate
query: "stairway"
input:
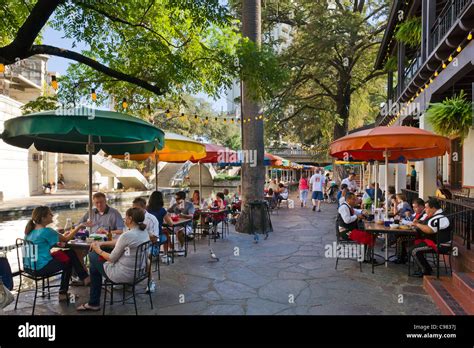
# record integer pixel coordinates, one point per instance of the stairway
(454, 295)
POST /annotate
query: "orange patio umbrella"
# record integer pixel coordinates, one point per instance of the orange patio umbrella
(396, 144)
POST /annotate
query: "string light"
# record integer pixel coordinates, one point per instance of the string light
(444, 65)
(93, 94)
(450, 59)
(469, 37)
(54, 82)
(2, 68)
(459, 49)
(124, 103)
(168, 114)
(431, 80)
(436, 73)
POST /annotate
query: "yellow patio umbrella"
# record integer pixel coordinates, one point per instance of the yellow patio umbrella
(177, 149)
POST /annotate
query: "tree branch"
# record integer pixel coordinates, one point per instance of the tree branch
(29, 31)
(60, 52)
(113, 18)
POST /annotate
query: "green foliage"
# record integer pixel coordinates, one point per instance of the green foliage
(409, 32)
(391, 64)
(452, 117)
(42, 103)
(260, 69)
(330, 61)
(225, 177)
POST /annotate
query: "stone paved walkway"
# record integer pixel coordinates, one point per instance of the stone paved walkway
(286, 274)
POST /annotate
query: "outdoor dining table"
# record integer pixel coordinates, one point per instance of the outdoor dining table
(211, 213)
(373, 228)
(181, 222)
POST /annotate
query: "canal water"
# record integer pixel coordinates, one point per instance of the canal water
(13, 227)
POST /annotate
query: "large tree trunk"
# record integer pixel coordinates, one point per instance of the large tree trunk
(253, 177)
(340, 130)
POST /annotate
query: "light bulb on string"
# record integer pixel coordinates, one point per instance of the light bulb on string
(450, 59)
(93, 95)
(54, 82)
(436, 73)
(469, 37)
(124, 103)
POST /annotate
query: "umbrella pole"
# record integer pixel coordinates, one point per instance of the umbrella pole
(386, 183)
(200, 180)
(376, 165)
(156, 172)
(89, 151)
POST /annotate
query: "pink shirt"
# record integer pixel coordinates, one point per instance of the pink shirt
(304, 184)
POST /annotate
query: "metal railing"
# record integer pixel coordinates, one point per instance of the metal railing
(463, 220)
(410, 195)
(446, 19)
(412, 69)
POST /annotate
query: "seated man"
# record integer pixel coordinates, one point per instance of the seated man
(103, 217)
(185, 210)
(435, 222)
(347, 221)
(404, 240)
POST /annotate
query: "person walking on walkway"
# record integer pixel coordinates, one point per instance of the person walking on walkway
(304, 189)
(317, 181)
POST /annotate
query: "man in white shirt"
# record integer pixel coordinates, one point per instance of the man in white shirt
(434, 228)
(317, 181)
(348, 216)
(151, 222)
(153, 229)
(350, 182)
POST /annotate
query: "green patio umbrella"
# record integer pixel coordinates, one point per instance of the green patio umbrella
(83, 131)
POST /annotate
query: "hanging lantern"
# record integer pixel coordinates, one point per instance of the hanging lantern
(54, 82)
(124, 103)
(93, 95)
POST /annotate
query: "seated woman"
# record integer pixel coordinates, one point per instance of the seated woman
(347, 221)
(156, 207)
(198, 202)
(45, 238)
(402, 206)
(282, 193)
(119, 265)
(443, 192)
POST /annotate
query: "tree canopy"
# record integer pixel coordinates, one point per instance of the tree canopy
(330, 61)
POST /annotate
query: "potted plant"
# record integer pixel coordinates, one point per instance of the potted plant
(409, 32)
(452, 117)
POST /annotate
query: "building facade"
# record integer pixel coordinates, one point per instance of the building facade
(440, 66)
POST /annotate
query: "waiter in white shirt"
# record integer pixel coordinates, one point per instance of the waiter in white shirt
(350, 182)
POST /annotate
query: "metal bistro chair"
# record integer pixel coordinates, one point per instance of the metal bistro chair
(342, 243)
(444, 249)
(140, 274)
(29, 252)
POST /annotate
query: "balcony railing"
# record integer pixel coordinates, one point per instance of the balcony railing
(412, 69)
(446, 19)
(464, 221)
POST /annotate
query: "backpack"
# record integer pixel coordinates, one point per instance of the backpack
(6, 273)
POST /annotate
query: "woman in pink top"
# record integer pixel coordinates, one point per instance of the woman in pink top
(304, 189)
